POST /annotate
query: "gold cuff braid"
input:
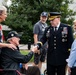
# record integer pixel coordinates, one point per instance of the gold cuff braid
(40, 43)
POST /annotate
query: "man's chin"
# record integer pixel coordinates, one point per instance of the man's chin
(2, 20)
(43, 22)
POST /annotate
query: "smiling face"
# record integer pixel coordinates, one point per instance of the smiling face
(15, 41)
(43, 19)
(3, 13)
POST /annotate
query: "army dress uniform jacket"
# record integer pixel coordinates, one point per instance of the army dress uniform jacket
(59, 42)
(10, 59)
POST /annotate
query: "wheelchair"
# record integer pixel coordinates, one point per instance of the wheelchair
(10, 71)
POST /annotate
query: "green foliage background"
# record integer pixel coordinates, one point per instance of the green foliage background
(25, 52)
(23, 14)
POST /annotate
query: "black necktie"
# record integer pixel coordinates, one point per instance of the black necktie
(55, 29)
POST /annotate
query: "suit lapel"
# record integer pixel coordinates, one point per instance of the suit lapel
(52, 30)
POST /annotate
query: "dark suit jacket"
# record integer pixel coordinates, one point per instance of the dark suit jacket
(59, 43)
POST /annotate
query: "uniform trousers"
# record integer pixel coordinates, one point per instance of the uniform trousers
(56, 70)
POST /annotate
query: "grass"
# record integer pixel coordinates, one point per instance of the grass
(25, 52)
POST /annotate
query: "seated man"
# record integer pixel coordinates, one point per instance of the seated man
(10, 59)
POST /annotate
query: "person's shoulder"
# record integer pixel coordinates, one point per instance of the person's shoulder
(7, 49)
(37, 23)
(65, 25)
(74, 41)
(48, 27)
(4, 48)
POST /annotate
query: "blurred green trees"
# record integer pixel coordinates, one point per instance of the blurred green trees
(23, 14)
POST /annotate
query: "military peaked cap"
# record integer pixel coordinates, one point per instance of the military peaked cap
(53, 15)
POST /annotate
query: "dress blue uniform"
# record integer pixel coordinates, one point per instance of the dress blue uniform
(59, 43)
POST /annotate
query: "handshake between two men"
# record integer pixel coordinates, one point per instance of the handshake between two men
(36, 48)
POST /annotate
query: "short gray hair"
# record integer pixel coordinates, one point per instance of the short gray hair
(2, 8)
(74, 21)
